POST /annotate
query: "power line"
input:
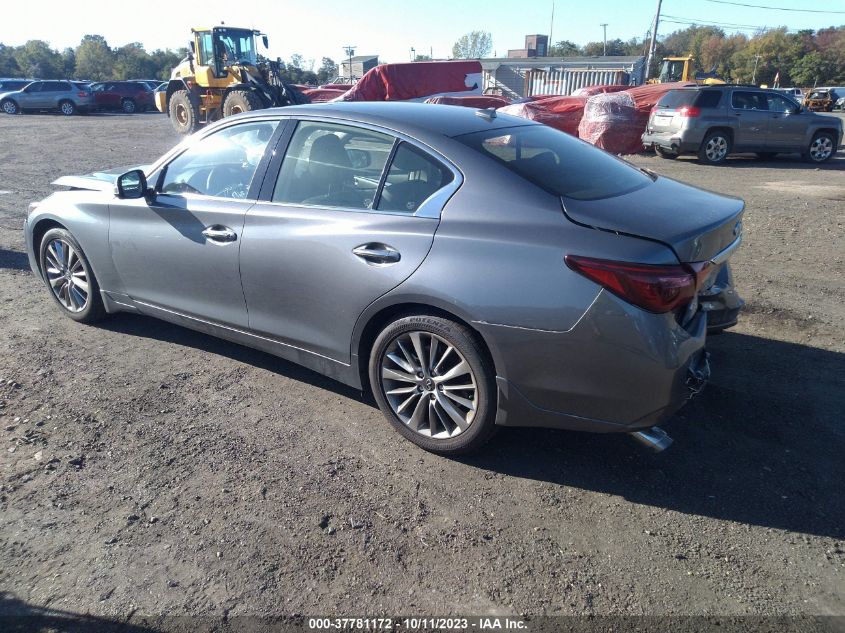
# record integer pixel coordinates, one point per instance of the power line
(760, 6)
(714, 23)
(693, 23)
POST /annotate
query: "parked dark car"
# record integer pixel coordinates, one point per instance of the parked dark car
(471, 269)
(126, 96)
(716, 121)
(64, 96)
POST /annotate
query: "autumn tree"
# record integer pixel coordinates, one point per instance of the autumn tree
(94, 58)
(473, 45)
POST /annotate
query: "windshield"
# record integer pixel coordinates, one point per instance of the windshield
(236, 45)
(672, 71)
(559, 163)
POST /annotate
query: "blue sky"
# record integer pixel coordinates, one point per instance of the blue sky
(386, 27)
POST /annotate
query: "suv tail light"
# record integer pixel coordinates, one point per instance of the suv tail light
(690, 111)
(657, 289)
(82, 93)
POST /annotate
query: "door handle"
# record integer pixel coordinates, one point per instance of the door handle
(377, 253)
(220, 233)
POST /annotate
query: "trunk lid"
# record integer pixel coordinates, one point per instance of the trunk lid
(696, 224)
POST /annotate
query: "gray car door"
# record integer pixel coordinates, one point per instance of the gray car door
(787, 124)
(31, 96)
(749, 109)
(347, 214)
(177, 250)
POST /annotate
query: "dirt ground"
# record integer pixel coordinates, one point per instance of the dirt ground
(147, 469)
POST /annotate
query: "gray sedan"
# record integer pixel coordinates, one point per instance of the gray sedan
(472, 270)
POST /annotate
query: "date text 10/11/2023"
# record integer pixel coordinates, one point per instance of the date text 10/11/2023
(417, 623)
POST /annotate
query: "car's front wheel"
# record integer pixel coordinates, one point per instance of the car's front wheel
(715, 148)
(433, 381)
(10, 107)
(68, 275)
(128, 106)
(822, 147)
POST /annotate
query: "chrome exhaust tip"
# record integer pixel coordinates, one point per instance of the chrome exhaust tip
(655, 438)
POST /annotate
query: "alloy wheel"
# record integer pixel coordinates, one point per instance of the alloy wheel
(821, 148)
(429, 385)
(716, 148)
(66, 274)
(67, 108)
(9, 107)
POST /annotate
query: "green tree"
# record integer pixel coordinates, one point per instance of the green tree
(811, 70)
(327, 70)
(564, 48)
(37, 59)
(68, 63)
(473, 45)
(94, 58)
(614, 47)
(8, 64)
(131, 61)
(422, 58)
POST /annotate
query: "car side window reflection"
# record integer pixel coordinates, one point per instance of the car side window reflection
(749, 101)
(413, 177)
(221, 165)
(779, 104)
(333, 166)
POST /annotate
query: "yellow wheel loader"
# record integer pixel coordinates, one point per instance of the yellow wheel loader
(221, 76)
(683, 69)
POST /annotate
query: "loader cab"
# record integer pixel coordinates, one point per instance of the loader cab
(675, 69)
(221, 47)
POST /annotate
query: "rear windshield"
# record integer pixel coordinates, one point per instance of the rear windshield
(559, 163)
(675, 99)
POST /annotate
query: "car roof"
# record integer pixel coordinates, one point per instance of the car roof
(406, 116)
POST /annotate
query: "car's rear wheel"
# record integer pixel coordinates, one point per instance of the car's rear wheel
(69, 277)
(68, 108)
(433, 381)
(128, 106)
(665, 153)
(184, 111)
(715, 148)
(10, 107)
(822, 147)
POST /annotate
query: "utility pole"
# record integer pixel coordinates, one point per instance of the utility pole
(551, 28)
(413, 53)
(653, 44)
(604, 26)
(754, 76)
(350, 51)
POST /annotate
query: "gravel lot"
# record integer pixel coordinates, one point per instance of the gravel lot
(147, 469)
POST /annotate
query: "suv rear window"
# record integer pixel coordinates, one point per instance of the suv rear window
(675, 99)
(557, 162)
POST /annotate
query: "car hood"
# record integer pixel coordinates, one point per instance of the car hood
(696, 224)
(98, 180)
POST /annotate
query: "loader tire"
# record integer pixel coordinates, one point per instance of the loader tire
(184, 109)
(239, 101)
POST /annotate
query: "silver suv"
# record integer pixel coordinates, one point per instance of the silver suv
(715, 121)
(68, 97)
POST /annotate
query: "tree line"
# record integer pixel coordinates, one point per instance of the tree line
(804, 58)
(94, 60)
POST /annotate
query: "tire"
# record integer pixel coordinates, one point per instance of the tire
(239, 101)
(68, 108)
(766, 155)
(433, 411)
(128, 106)
(184, 109)
(715, 148)
(821, 149)
(665, 153)
(69, 277)
(10, 107)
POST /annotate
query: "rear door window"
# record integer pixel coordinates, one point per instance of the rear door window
(747, 100)
(332, 165)
(414, 176)
(558, 162)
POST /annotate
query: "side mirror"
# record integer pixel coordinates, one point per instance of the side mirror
(132, 185)
(265, 41)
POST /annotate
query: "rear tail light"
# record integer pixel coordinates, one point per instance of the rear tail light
(654, 288)
(690, 111)
(82, 94)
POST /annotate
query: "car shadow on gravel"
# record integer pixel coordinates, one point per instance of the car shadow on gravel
(787, 161)
(14, 260)
(19, 616)
(764, 444)
(148, 327)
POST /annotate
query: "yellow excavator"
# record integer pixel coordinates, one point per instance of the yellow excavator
(221, 76)
(684, 69)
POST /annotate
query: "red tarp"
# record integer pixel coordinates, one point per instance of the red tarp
(480, 101)
(616, 121)
(589, 91)
(415, 80)
(321, 95)
(562, 113)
